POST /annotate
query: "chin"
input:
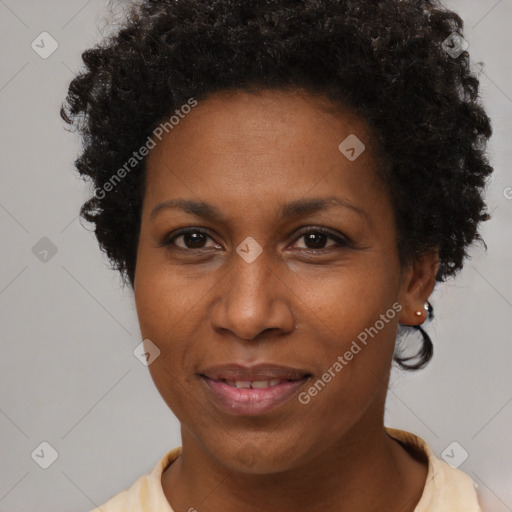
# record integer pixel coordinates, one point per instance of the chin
(258, 458)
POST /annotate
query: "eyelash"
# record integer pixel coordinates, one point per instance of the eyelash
(168, 241)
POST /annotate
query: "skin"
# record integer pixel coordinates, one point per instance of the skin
(203, 305)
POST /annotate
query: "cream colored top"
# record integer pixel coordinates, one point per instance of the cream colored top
(446, 489)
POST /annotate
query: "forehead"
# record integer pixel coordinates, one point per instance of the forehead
(250, 157)
(256, 147)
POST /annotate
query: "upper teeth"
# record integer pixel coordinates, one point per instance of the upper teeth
(253, 383)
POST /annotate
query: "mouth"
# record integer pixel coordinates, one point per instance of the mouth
(255, 384)
(251, 391)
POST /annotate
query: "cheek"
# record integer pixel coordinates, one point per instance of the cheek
(163, 298)
(353, 341)
(164, 314)
(352, 321)
(162, 322)
(347, 299)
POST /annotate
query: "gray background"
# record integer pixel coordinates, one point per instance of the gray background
(68, 375)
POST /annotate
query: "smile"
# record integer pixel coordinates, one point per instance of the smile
(252, 398)
(258, 384)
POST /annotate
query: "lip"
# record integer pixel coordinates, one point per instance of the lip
(261, 371)
(252, 401)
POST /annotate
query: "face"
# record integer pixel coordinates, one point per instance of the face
(268, 277)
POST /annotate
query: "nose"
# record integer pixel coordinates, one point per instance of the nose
(252, 299)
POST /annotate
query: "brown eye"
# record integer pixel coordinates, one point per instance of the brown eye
(192, 238)
(316, 239)
(195, 239)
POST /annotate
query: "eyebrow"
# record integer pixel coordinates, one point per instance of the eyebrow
(297, 208)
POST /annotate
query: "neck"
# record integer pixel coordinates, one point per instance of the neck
(365, 470)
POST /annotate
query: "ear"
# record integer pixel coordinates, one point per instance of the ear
(418, 281)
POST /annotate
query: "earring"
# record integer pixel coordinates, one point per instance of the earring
(425, 307)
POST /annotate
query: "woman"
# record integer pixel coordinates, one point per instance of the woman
(283, 183)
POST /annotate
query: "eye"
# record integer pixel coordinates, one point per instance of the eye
(316, 238)
(191, 238)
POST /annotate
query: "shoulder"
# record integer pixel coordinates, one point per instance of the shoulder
(446, 488)
(146, 493)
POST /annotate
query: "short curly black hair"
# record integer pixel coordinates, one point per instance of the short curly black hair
(390, 60)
